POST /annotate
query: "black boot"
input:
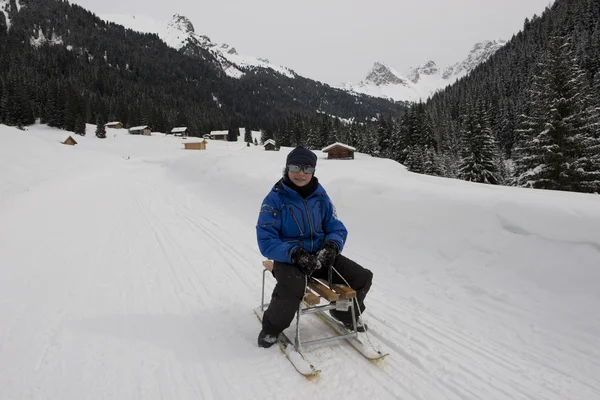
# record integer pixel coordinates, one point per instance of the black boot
(346, 319)
(265, 340)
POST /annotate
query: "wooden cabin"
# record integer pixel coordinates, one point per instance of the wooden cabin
(339, 151)
(70, 141)
(219, 135)
(195, 145)
(141, 130)
(181, 131)
(269, 145)
(114, 125)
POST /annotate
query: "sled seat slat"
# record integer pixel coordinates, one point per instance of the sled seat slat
(310, 298)
(323, 290)
(344, 291)
(318, 287)
(268, 264)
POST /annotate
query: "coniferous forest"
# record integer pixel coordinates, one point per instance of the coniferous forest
(62, 64)
(529, 116)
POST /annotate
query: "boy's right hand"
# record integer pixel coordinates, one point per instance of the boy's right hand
(308, 263)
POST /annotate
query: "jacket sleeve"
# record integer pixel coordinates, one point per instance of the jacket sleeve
(268, 230)
(334, 229)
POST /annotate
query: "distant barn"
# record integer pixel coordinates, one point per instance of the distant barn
(195, 145)
(339, 151)
(270, 145)
(224, 135)
(219, 135)
(114, 125)
(70, 141)
(141, 130)
(181, 131)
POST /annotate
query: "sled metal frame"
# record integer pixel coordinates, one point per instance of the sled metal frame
(311, 310)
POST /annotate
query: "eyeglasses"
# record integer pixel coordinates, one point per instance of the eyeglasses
(308, 169)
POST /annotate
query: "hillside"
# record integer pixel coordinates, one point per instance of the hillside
(64, 64)
(130, 269)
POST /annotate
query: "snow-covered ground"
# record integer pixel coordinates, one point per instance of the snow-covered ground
(129, 269)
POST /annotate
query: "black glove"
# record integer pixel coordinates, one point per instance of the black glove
(307, 263)
(327, 254)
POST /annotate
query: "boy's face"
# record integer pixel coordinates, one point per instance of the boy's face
(300, 178)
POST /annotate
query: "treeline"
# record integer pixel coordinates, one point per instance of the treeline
(62, 64)
(529, 116)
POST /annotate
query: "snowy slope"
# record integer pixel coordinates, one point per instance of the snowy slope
(179, 32)
(129, 269)
(422, 81)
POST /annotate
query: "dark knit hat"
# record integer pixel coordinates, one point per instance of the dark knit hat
(301, 156)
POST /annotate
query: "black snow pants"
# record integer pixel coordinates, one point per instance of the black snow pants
(289, 290)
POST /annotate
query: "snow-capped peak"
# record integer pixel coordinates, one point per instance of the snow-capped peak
(480, 53)
(429, 68)
(423, 81)
(179, 32)
(382, 74)
(181, 23)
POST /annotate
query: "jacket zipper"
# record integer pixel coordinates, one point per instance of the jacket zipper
(295, 219)
(309, 224)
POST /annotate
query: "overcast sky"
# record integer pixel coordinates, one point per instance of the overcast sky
(338, 40)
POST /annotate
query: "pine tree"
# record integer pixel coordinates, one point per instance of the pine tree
(479, 153)
(80, 127)
(233, 133)
(558, 134)
(369, 143)
(284, 136)
(266, 134)
(384, 137)
(100, 128)
(247, 135)
(416, 159)
(324, 132)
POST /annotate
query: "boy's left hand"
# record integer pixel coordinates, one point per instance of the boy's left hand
(327, 254)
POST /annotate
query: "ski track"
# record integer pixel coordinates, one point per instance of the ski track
(154, 325)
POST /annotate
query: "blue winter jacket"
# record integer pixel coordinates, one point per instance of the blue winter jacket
(287, 221)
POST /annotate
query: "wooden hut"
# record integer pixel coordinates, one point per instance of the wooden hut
(181, 131)
(141, 130)
(70, 141)
(269, 145)
(339, 151)
(114, 125)
(219, 135)
(195, 145)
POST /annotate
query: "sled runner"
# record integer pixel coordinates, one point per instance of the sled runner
(336, 297)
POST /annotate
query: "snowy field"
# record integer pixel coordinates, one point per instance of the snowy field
(129, 270)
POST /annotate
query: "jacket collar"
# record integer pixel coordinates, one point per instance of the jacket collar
(280, 186)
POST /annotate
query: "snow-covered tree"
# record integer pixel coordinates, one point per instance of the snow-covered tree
(479, 159)
(559, 145)
(100, 128)
(247, 135)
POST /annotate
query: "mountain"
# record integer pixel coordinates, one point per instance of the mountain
(179, 33)
(63, 64)
(421, 82)
(536, 100)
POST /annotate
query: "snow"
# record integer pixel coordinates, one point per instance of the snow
(138, 128)
(387, 91)
(179, 129)
(172, 33)
(41, 39)
(386, 82)
(331, 146)
(129, 269)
